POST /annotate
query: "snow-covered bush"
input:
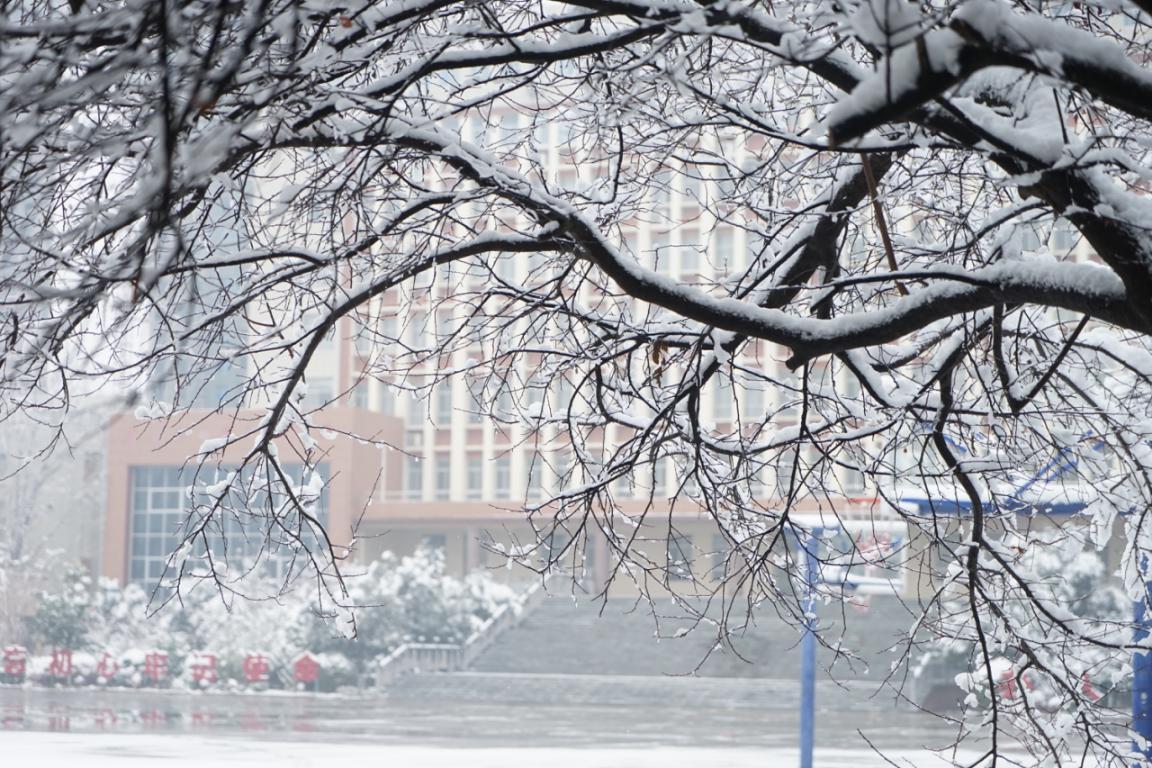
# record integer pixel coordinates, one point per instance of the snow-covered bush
(409, 599)
(22, 578)
(63, 618)
(395, 600)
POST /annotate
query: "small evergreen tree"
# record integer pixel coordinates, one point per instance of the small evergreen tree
(62, 619)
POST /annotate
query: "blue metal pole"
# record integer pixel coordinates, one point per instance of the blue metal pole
(808, 651)
(1142, 678)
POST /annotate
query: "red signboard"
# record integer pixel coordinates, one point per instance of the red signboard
(107, 668)
(204, 668)
(255, 668)
(15, 664)
(306, 669)
(156, 667)
(61, 666)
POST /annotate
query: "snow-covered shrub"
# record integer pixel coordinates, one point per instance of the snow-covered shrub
(22, 579)
(337, 671)
(395, 600)
(408, 599)
(63, 618)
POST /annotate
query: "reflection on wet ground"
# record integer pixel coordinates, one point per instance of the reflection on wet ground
(451, 713)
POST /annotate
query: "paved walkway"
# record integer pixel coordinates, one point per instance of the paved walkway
(138, 751)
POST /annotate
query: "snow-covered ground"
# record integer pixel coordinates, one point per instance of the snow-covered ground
(53, 750)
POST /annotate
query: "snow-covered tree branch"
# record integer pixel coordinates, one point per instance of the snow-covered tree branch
(800, 253)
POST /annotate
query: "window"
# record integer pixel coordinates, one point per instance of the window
(414, 481)
(540, 136)
(388, 329)
(506, 267)
(502, 481)
(753, 401)
(158, 509)
(385, 399)
(537, 266)
(506, 129)
(631, 243)
(689, 260)
(443, 476)
(662, 191)
(535, 400)
(444, 327)
(557, 542)
(568, 180)
(686, 479)
(757, 247)
(723, 249)
(360, 395)
(756, 485)
(435, 542)
(475, 476)
(468, 131)
(722, 398)
(562, 467)
(729, 173)
(566, 137)
(720, 550)
(415, 410)
(160, 505)
(693, 188)
(1064, 237)
(661, 250)
(319, 389)
(853, 482)
(784, 469)
(534, 471)
(623, 488)
(503, 402)
(476, 404)
(423, 279)
(443, 404)
(362, 343)
(414, 331)
(679, 555)
(564, 395)
(1028, 238)
(660, 478)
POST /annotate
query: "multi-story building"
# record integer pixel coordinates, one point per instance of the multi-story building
(438, 468)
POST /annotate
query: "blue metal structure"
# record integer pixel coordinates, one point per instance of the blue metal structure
(1064, 462)
(808, 650)
(1142, 686)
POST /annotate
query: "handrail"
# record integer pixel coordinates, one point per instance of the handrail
(449, 657)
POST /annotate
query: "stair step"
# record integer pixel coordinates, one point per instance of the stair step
(619, 638)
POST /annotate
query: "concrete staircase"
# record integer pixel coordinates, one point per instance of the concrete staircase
(628, 692)
(622, 637)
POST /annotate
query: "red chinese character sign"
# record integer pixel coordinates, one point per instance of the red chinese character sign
(156, 668)
(60, 667)
(1090, 691)
(15, 664)
(106, 669)
(255, 669)
(203, 666)
(306, 670)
